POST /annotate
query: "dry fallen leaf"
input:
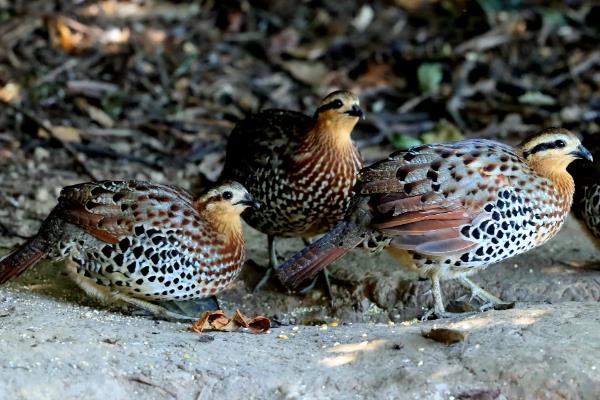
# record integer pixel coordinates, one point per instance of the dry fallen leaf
(257, 324)
(64, 133)
(218, 321)
(95, 113)
(445, 335)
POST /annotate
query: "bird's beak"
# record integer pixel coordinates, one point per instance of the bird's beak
(355, 111)
(249, 201)
(582, 152)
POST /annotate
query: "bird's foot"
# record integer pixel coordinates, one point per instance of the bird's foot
(191, 308)
(433, 314)
(263, 280)
(158, 312)
(503, 305)
(326, 284)
(489, 300)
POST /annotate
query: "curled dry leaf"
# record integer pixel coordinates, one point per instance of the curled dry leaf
(257, 324)
(218, 321)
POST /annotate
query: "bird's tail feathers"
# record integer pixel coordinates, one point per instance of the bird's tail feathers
(22, 258)
(307, 263)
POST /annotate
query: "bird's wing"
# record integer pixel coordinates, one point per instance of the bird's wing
(424, 196)
(110, 210)
(262, 139)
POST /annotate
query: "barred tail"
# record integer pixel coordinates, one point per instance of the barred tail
(22, 258)
(312, 259)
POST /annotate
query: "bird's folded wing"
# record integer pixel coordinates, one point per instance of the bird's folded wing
(110, 210)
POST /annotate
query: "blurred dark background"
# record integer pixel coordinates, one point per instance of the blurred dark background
(150, 89)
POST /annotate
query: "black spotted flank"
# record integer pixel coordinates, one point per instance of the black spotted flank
(158, 240)
(137, 251)
(139, 230)
(119, 260)
(124, 244)
(151, 232)
(107, 250)
(131, 267)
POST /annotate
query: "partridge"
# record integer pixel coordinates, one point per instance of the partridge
(450, 210)
(300, 169)
(590, 208)
(140, 242)
(586, 205)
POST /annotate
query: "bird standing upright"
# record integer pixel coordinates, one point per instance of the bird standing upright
(589, 208)
(301, 169)
(450, 210)
(140, 242)
(586, 204)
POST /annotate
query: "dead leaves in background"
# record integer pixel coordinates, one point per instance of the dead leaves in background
(75, 37)
(218, 321)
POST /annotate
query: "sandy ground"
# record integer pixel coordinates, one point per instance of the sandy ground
(53, 350)
(57, 343)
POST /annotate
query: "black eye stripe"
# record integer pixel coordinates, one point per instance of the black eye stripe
(557, 144)
(335, 104)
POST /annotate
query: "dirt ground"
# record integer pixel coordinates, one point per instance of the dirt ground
(59, 344)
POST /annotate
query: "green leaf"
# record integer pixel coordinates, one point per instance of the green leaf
(443, 132)
(537, 99)
(402, 141)
(112, 103)
(430, 77)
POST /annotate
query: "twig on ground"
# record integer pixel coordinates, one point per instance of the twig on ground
(148, 383)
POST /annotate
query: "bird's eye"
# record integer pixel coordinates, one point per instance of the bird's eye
(227, 195)
(337, 103)
(560, 143)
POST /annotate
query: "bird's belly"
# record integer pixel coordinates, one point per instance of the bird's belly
(512, 226)
(154, 266)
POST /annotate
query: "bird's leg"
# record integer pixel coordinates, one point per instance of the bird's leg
(439, 311)
(94, 290)
(438, 300)
(324, 275)
(154, 309)
(490, 301)
(272, 264)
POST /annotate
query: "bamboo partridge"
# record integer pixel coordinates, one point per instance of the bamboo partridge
(450, 210)
(586, 204)
(301, 169)
(140, 242)
(590, 208)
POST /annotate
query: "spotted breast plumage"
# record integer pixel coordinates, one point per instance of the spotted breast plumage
(450, 210)
(143, 241)
(300, 168)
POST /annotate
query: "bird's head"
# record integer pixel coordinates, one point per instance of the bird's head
(552, 150)
(223, 204)
(339, 112)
